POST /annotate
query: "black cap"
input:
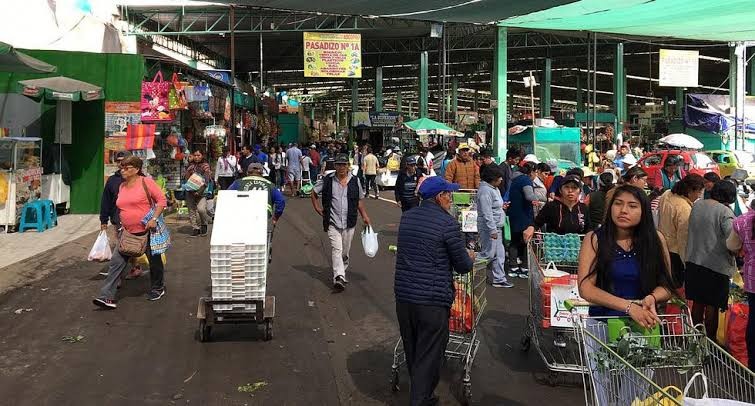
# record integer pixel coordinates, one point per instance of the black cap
(342, 159)
(572, 179)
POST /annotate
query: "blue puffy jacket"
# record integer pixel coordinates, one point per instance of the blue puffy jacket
(430, 245)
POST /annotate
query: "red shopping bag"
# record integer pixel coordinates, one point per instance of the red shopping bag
(140, 136)
(462, 312)
(155, 105)
(736, 329)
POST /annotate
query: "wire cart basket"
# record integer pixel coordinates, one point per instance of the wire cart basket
(469, 304)
(552, 261)
(672, 364)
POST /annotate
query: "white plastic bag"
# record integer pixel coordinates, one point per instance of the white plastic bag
(705, 400)
(101, 249)
(370, 242)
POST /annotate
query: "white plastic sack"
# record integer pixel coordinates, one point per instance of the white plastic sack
(370, 242)
(101, 249)
(705, 400)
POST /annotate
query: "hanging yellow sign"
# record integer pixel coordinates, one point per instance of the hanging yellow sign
(328, 55)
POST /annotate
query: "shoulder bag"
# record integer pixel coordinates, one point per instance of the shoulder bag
(134, 245)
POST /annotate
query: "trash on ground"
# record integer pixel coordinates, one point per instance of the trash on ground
(251, 387)
(73, 339)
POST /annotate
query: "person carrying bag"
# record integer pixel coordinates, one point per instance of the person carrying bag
(140, 204)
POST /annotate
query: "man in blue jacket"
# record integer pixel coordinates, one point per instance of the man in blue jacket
(430, 247)
(406, 185)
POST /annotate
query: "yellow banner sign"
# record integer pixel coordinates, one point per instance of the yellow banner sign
(329, 55)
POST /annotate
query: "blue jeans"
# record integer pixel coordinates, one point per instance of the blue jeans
(493, 250)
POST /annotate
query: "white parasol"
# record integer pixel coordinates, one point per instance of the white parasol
(682, 141)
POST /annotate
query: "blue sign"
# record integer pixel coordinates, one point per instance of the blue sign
(221, 75)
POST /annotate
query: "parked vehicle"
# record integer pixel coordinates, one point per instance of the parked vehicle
(694, 162)
(729, 161)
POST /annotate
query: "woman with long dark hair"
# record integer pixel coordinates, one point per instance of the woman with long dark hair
(710, 265)
(622, 274)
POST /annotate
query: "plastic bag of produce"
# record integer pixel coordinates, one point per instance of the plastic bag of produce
(100, 251)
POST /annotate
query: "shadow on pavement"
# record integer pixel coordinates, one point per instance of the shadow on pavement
(320, 273)
(370, 371)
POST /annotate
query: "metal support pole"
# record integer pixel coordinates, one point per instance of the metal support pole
(262, 86)
(751, 73)
(580, 98)
(231, 141)
(423, 85)
(545, 89)
(665, 107)
(740, 86)
(354, 106)
(379, 88)
(500, 92)
(399, 107)
(454, 95)
(619, 92)
(679, 107)
(589, 88)
(338, 115)
(475, 100)
(594, 87)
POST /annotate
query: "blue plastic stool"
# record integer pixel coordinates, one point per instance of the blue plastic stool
(33, 216)
(51, 215)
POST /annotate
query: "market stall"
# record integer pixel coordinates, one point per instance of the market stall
(560, 144)
(20, 176)
(63, 91)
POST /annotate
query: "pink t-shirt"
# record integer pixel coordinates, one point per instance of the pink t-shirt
(134, 204)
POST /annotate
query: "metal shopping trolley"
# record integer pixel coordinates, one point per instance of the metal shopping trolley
(466, 312)
(628, 365)
(553, 295)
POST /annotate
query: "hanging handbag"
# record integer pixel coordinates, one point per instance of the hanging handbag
(177, 95)
(134, 245)
(154, 104)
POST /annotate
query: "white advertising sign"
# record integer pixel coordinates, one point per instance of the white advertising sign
(678, 68)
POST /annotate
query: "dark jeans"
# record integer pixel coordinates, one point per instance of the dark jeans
(370, 183)
(750, 335)
(424, 333)
(225, 182)
(517, 249)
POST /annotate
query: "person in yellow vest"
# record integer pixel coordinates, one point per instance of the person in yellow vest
(255, 181)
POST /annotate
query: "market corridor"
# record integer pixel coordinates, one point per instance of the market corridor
(328, 349)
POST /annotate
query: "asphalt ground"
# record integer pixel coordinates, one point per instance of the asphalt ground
(328, 348)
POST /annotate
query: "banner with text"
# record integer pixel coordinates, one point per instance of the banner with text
(328, 55)
(678, 68)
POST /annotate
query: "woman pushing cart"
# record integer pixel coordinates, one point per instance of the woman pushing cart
(632, 355)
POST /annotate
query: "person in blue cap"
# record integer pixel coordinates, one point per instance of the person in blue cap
(430, 248)
(406, 185)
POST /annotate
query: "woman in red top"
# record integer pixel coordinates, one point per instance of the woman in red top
(134, 203)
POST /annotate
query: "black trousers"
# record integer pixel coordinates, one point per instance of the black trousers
(408, 204)
(370, 184)
(424, 333)
(677, 270)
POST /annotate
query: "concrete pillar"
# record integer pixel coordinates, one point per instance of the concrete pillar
(379, 88)
(499, 93)
(545, 89)
(354, 106)
(665, 107)
(423, 85)
(679, 107)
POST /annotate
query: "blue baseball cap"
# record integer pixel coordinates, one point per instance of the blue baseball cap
(412, 160)
(435, 184)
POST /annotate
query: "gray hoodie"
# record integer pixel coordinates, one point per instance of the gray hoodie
(490, 216)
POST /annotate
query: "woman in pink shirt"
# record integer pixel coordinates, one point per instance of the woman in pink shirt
(743, 238)
(133, 206)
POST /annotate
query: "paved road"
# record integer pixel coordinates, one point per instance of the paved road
(329, 349)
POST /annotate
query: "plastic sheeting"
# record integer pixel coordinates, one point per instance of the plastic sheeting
(713, 113)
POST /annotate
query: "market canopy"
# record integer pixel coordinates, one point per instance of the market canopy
(12, 60)
(425, 125)
(60, 88)
(729, 20)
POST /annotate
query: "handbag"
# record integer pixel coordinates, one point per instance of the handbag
(154, 104)
(134, 245)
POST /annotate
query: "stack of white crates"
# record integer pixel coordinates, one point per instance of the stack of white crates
(239, 248)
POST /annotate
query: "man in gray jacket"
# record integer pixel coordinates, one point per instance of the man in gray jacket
(490, 222)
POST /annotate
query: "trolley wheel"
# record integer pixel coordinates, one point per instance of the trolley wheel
(525, 343)
(394, 380)
(268, 329)
(466, 392)
(204, 331)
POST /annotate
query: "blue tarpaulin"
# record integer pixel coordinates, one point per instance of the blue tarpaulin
(713, 113)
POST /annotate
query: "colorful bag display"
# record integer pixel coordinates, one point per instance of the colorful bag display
(140, 136)
(177, 95)
(155, 105)
(194, 183)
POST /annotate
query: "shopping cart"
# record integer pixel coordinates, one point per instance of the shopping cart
(552, 262)
(469, 305)
(628, 365)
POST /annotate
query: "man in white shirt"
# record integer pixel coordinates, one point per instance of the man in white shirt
(226, 169)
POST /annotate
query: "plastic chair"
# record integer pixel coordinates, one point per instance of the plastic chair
(51, 215)
(33, 216)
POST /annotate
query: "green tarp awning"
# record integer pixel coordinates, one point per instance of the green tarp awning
(730, 20)
(13, 61)
(425, 125)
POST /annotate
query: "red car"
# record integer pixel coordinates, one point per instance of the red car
(694, 162)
